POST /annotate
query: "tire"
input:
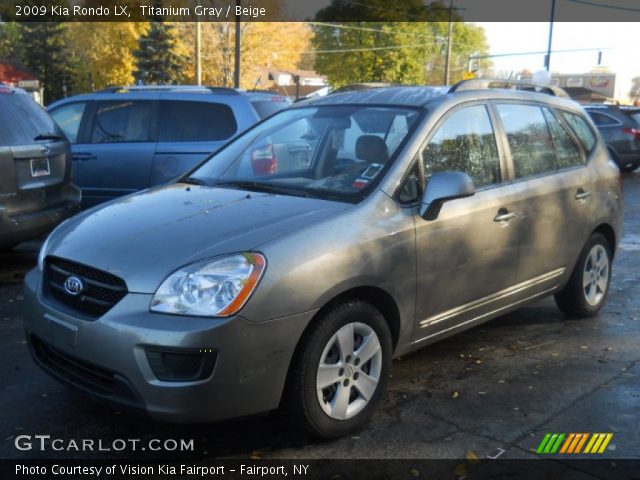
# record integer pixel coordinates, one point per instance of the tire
(343, 397)
(588, 286)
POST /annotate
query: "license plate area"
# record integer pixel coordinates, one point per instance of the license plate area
(40, 167)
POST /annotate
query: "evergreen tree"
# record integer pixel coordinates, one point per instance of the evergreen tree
(43, 51)
(157, 61)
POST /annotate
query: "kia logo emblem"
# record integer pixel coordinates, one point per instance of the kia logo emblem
(73, 286)
(45, 149)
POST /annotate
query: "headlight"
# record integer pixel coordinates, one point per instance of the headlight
(210, 288)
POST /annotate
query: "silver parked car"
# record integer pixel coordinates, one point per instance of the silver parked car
(411, 213)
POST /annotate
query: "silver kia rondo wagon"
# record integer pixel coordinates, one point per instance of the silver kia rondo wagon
(390, 218)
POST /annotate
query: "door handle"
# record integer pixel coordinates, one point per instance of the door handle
(83, 157)
(504, 215)
(582, 195)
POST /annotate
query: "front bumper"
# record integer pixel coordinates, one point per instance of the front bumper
(252, 358)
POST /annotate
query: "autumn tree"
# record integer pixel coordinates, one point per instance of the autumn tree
(275, 45)
(102, 53)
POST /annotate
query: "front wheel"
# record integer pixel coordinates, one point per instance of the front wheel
(339, 373)
(587, 289)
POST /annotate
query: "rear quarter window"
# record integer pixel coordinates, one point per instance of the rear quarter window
(22, 119)
(266, 108)
(581, 130)
(187, 121)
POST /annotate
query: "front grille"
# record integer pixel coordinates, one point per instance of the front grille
(102, 289)
(73, 370)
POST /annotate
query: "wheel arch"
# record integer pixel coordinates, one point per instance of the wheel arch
(376, 296)
(609, 233)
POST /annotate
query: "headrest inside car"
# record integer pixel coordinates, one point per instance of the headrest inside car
(372, 149)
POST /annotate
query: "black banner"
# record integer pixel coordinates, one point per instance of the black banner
(304, 10)
(551, 469)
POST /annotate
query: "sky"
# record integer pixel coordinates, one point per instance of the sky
(618, 42)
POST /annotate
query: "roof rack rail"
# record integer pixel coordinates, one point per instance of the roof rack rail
(169, 88)
(484, 83)
(354, 87)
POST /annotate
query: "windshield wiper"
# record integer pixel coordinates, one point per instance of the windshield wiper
(264, 187)
(194, 181)
(48, 136)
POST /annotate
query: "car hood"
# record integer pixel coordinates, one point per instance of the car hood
(144, 237)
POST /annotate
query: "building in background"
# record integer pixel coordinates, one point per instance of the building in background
(15, 75)
(294, 84)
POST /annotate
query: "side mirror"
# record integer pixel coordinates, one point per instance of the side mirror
(442, 187)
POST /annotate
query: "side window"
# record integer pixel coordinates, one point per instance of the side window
(68, 118)
(567, 154)
(195, 121)
(122, 121)
(581, 129)
(602, 120)
(465, 142)
(529, 139)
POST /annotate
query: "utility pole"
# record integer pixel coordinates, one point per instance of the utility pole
(198, 55)
(236, 70)
(547, 58)
(448, 59)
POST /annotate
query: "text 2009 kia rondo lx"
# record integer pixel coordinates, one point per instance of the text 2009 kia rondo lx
(382, 220)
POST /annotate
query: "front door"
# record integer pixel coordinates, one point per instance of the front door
(467, 258)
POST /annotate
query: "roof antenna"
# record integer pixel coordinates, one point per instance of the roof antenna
(509, 80)
(255, 85)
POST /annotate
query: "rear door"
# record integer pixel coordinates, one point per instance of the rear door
(189, 130)
(33, 156)
(553, 191)
(115, 154)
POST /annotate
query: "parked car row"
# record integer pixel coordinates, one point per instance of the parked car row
(620, 128)
(128, 139)
(290, 267)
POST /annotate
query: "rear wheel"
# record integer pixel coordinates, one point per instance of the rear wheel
(588, 286)
(340, 372)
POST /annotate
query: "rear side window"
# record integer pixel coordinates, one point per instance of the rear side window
(122, 121)
(22, 119)
(182, 121)
(602, 120)
(635, 115)
(465, 142)
(529, 139)
(266, 108)
(68, 118)
(567, 154)
(581, 129)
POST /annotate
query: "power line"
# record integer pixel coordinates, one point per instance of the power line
(369, 29)
(602, 5)
(441, 40)
(477, 57)
(369, 49)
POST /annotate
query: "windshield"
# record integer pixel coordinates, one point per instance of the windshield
(336, 152)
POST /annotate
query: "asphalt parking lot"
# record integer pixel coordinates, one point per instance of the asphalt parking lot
(492, 391)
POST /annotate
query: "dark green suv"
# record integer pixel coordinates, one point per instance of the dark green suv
(36, 193)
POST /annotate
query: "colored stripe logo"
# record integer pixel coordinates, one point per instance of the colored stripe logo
(574, 443)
